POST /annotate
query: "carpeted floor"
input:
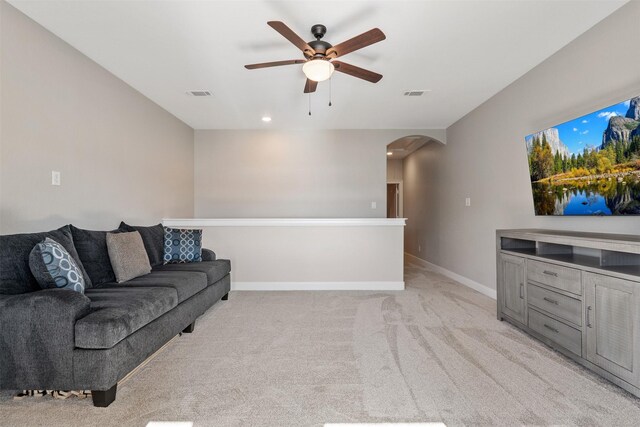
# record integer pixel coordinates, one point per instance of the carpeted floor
(434, 352)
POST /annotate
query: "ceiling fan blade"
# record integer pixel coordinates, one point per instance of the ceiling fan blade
(358, 42)
(274, 64)
(310, 86)
(358, 72)
(288, 34)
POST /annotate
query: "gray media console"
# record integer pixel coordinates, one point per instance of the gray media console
(578, 293)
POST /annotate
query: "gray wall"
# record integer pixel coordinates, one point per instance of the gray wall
(121, 156)
(263, 173)
(485, 156)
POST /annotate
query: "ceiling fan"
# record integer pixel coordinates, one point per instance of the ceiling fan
(319, 62)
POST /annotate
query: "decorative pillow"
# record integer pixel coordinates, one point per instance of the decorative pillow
(153, 239)
(128, 256)
(54, 267)
(181, 246)
(93, 253)
(15, 274)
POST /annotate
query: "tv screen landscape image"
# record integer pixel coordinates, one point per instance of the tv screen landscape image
(589, 165)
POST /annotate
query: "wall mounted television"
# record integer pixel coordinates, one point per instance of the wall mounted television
(589, 165)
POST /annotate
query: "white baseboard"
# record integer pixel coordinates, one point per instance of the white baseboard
(317, 286)
(485, 290)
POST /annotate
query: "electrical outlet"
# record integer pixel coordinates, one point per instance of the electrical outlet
(467, 201)
(374, 205)
(55, 178)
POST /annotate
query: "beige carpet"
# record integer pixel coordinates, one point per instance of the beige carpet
(434, 352)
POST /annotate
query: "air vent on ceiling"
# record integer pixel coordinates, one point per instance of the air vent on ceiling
(199, 93)
(415, 92)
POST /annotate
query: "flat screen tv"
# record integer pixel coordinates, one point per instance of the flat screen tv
(589, 165)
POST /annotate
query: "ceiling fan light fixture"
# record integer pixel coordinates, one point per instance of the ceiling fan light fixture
(318, 70)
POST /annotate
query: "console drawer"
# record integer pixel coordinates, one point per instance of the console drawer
(558, 332)
(557, 304)
(565, 278)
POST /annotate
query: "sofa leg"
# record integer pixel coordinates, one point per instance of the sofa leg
(225, 297)
(190, 328)
(104, 398)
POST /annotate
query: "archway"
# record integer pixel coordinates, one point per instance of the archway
(397, 152)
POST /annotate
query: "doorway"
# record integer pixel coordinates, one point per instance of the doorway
(394, 200)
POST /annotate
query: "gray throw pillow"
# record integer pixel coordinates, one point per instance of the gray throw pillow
(54, 267)
(128, 256)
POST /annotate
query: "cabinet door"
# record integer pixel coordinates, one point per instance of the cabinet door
(512, 287)
(612, 325)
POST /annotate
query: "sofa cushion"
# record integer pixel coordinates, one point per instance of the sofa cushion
(153, 239)
(215, 270)
(54, 267)
(182, 245)
(128, 256)
(93, 253)
(118, 312)
(15, 275)
(186, 283)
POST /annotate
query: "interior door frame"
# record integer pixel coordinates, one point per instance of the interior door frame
(400, 198)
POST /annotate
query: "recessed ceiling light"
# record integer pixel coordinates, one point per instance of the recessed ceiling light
(389, 153)
(266, 119)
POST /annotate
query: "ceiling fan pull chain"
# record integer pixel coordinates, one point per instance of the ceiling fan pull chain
(329, 91)
(309, 103)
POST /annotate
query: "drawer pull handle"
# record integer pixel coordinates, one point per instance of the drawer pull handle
(551, 273)
(551, 328)
(552, 301)
(589, 317)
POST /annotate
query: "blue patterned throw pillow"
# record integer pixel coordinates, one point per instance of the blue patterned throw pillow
(182, 246)
(54, 267)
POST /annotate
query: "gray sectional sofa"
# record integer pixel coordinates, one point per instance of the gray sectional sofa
(58, 339)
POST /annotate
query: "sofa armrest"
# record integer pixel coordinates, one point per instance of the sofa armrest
(37, 338)
(208, 255)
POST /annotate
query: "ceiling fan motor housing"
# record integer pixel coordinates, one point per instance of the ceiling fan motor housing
(320, 47)
(318, 31)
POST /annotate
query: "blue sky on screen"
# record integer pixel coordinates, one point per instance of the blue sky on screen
(586, 131)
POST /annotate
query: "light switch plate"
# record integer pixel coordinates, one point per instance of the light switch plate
(374, 205)
(467, 201)
(55, 178)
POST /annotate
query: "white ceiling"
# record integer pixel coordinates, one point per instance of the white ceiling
(463, 51)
